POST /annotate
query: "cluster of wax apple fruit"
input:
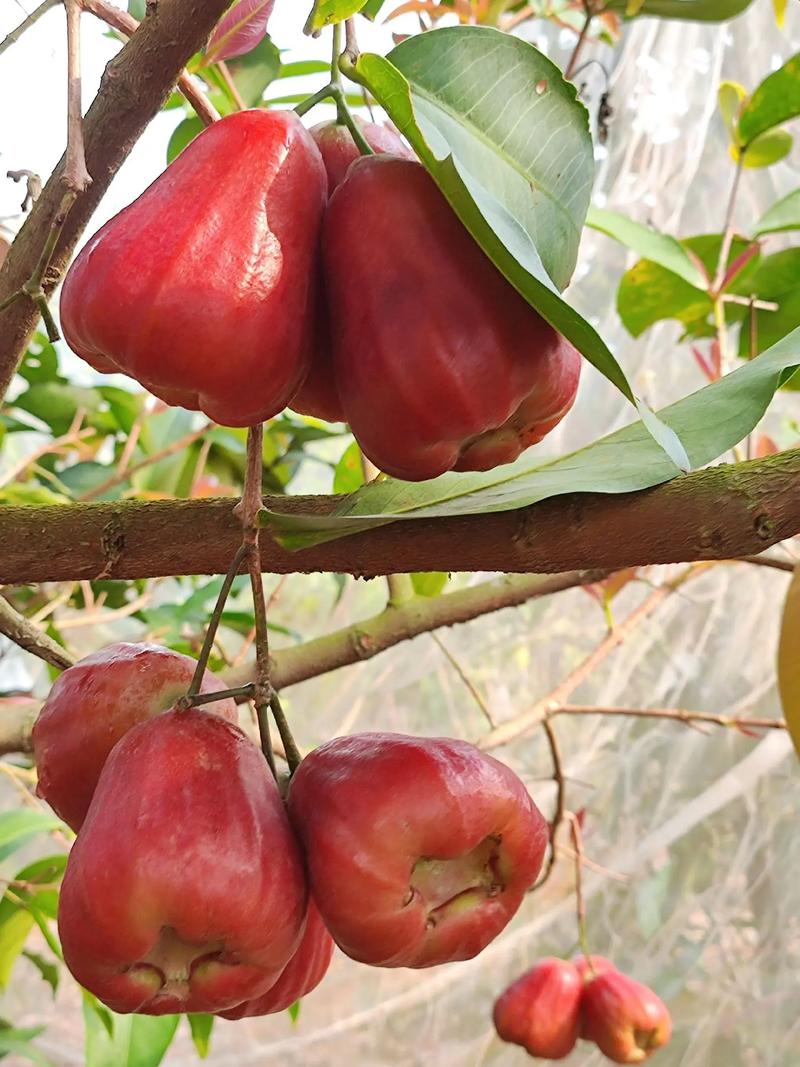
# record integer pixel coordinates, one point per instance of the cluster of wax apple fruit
(271, 266)
(195, 886)
(557, 1001)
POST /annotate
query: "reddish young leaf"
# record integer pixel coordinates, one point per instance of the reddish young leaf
(241, 28)
(765, 446)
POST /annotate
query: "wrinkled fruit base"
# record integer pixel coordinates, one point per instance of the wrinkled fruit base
(451, 887)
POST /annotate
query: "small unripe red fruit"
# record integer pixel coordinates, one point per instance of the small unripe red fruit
(625, 1019)
(541, 1010)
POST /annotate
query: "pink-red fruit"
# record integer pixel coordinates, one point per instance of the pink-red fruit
(93, 704)
(440, 363)
(302, 974)
(625, 1019)
(419, 850)
(541, 1010)
(202, 289)
(185, 890)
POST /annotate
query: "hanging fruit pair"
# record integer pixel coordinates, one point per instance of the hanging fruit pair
(213, 292)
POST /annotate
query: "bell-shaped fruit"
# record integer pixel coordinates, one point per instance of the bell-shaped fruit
(91, 706)
(302, 974)
(541, 1010)
(202, 289)
(625, 1019)
(440, 363)
(419, 850)
(319, 395)
(185, 890)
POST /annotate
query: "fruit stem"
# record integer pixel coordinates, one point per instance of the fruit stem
(580, 903)
(197, 700)
(213, 622)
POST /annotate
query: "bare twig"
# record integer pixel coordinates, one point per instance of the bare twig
(462, 674)
(127, 24)
(26, 24)
(27, 635)
(767, 561)
(734, 722)
(230, 84)
(558, 814)
(580, 903)
(57, 445)
(214, 621)
(75, 177)
(578, 49)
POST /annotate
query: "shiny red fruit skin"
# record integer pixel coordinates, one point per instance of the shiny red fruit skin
(625, 1019)
(318, 395)
(441, 364)
(541, 1010)
(303, 973)
(202, 289)
(93, 704)
(378, 813)
(600, 965)
(185, 890)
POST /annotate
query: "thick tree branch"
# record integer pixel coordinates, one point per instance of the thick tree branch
(28, 636)
(135, 85)
(720, 513)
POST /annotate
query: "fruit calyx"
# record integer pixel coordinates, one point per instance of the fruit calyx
(173, 962)
(448, 886)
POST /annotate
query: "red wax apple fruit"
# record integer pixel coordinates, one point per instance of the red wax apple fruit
(185, 890)
(440, 363)
(590, 967)
(302, 974)
(419, 850)
(541, 1010)
(625, 1019)
(91, 706)
(202, 289)
(319, 395)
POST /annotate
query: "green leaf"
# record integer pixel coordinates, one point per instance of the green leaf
(429, 583)
(649, 243)
(137, 8)
(18, 495)
(730, 97)
(371, 8)
(46, 968)
(789, 659)
(775, 101)
(326, 12)
(710, 421)
(81, 477)
(294, 1010)
(56, 404)
(691, 10)
(125, 406)
(136, 1040)
(783, 215)
(13, 935)
(766, 149)
(348, 474)
(477, 105)
(41, 362)
(184, 133)
(302, 67)
(776, 281)
(13, 1040)
(21, 824)
(252, 73)
(201, 1027)
(45, 872)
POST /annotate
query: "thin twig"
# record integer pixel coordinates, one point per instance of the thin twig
(767, 561)
(155, 457)
(198, 700)
(127, 24)
(580, 903)
(26, 24)
(57, 445)
(230, 84)
(734, 722)
(214, 621)
(576, 52)
(462, 674)
(76, 177)
(558, 814)
(27, 635)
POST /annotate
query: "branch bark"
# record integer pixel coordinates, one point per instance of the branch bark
(720, 513)
(135, 85)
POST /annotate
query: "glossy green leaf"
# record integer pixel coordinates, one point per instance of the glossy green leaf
(326, 12)
(21, 824)
(17, 1041)
(19, 495)
(14, 933)
(252, 73)
(649, 243)
(782, 216)
(775, 101)
(775, 281)
(56, 403)
(183, 134)
(691, 10)
(766, 149)
(201, 1027)
(730, 97)
(429, 583)
(40, 363)
(135, 1041)
(137, 8)
(372, 8)
(348, 474)
(788, 666)
(480, 107)
(710, 421)
(44, 872)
